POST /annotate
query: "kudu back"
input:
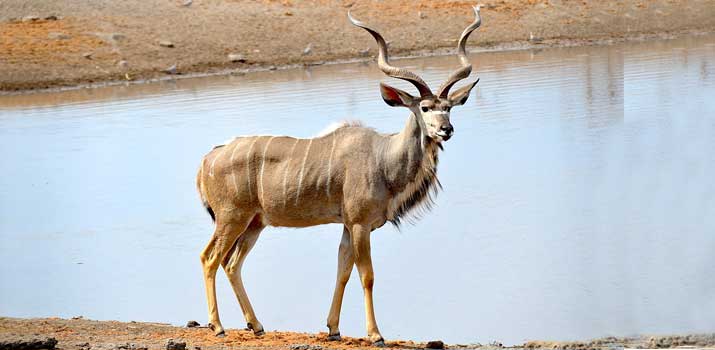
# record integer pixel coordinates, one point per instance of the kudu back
(351, 175)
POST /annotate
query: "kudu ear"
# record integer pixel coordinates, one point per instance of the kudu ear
(459, 97)
(395, 97)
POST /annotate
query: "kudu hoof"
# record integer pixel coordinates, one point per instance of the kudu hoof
(257, 333)
(380, 343)
(220, 334)
(334, 337)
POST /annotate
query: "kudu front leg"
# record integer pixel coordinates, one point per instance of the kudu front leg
(360, 235)
(346, 261)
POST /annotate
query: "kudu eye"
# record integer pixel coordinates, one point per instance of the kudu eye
(425, 109)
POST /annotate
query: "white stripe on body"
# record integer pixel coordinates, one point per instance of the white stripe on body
(330, 163)
(302, 170)
(285, 175)
(213, 162)
(233, 173)
(263, 165)
(248, 166)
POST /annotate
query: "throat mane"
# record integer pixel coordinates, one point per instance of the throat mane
(417, 197)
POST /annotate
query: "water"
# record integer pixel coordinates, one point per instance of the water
(579, 200)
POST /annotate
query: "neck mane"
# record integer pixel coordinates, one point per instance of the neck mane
(410, 166)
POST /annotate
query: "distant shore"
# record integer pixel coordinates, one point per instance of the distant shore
(65, 44)
(82, 334)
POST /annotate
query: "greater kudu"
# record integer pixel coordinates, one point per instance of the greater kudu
(351, 175)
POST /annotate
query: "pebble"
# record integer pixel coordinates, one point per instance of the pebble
(87, 55)
(365, 52)
(166, 43)
(435, 344)
(192, 324)
(236, 57)
(308, 49)
(187, 3)
(171, 70)
(117, 36)
(51, 18)
(175, 345)
(421, 15)
(30, 18)
(123, 63)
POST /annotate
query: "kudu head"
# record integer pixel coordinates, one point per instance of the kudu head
(432, 111)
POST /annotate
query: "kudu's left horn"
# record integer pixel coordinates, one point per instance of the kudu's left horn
(466, 68)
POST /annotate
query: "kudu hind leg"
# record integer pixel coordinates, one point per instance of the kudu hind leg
(211, 257)
(360, 235)
(232, 266)
(345, 267)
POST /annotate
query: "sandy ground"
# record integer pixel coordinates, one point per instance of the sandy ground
(64, 43)
(81, 334)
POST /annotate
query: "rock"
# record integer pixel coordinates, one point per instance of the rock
(51, 18)
(77, 317)
(236, 57)
(58, 36)
(187, 3)
(365, 52)
(29, 343)
(87, 55)
(117, 36)
(166, 43)
(272, 68)
(308, 49)
(534, 39)
(171, 70)
(122, 64)
(196, 347)
(133, 346)
(421, 15)
(175, 345)
(435, 344)
(305, 347)
(30, 18)
(192, 324)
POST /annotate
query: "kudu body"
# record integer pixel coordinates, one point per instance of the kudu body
(352, 175)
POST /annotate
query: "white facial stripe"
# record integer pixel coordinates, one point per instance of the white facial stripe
(302, 170)
(263, 165)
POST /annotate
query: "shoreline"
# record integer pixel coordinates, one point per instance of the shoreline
(522, 45)
(83, 334)
(68, 45)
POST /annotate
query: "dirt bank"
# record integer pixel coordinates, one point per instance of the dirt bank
(81, 334)
(64, 43)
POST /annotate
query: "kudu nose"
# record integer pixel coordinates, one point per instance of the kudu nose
(447, 129)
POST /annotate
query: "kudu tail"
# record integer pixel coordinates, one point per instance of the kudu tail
(202, 193)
